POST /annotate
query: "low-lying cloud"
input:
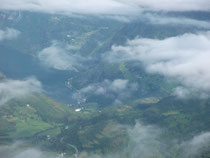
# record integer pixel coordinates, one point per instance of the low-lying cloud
(19, 150)
(116, 90)
(185, 58)
(146, 141)
(9, 34)
(193, 147)
(11, 89)
(102, 88)
(59, 58)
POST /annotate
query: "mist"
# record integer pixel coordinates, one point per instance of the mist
(11, 89)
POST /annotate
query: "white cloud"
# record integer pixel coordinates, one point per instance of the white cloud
(106, 86)
(143, 142)
(172, 5)
(167, 20)
(116, 90)
(106, 7)
(194, 147)
(10, 89)
(188, 92)
(118, 85)
(182, 92)
(121, 10)
(19, 150)
(185, 58)
(9, 34)
(32, 153)
(59, 58)
(146, 141)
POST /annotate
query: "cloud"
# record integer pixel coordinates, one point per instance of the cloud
(146, 141)
(174, 5)
(118, 85)
(116, 90)
(19, 150)
(32, 153)
(95, 7)
(170, 20)
(105, 7)
(9, 34)
(194, 147)
(184, 58)
(143, 142)
(188, 92)
(10, 89)
(182, 92)
(59, 57)
(121, 10)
